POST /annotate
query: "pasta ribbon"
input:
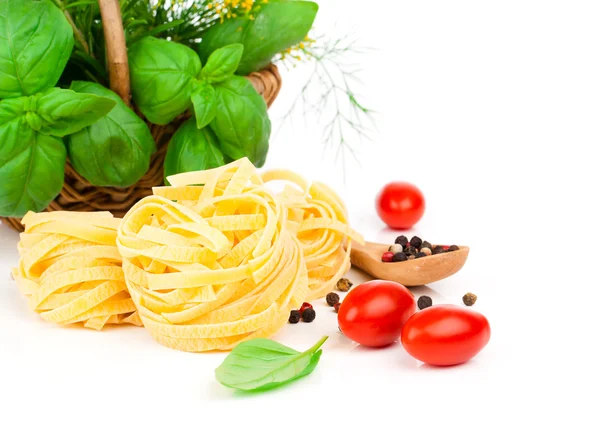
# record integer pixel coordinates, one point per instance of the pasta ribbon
(70, 269)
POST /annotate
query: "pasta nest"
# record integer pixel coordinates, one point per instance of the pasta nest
(70, 269)
(209, 261)
(319, 218)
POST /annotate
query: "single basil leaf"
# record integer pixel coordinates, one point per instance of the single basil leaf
(222, 63)
(204, 100)
(11, 109)
(276, 27)
(262, 364)
(241, 122)
(66, 112)
(192, 149)
(116, 149)
(36, 42)
(32, 169)
(163, 75)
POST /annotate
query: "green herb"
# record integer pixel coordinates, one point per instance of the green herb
(262, 364)
(114, 151)
(35, 44)
(163, 78)
(275, 27)
(192, 149)
(241, 122)
(204, 100)
(222, 63)
(32, 155)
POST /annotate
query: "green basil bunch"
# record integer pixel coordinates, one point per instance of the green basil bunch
(35, 44)
(115, 150)
(32, 152)
(229, 115)
(276, 26)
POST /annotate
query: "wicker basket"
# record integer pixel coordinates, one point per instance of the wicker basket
(77, 193)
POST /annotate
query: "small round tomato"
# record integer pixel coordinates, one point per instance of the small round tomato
(400, 205)
(373, 313)
(445, 335)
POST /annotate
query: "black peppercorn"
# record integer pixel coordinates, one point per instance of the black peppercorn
(424, 302)
(426, 244)
(332, 298)
(469, 299)
(308, 315)
(420, 255)
(452, 248)
(399, 256)
(416, 242)
(401, 240)
(294, 316)
(438, 250)
(409, 250)
(343, 284)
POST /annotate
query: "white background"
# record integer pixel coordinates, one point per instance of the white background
(493, 109)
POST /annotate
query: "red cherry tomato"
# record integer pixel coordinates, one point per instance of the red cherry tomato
(445, 335)
(400, 205)
(373, 313)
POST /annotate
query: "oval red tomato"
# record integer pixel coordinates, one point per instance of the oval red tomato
(445, 335)
(400, 205)
(373, 313)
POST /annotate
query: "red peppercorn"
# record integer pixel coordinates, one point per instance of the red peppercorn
(446, 247)
(336, 306)
(304, 307)
(387, 257)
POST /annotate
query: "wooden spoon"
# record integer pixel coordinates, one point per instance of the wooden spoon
(415, 272)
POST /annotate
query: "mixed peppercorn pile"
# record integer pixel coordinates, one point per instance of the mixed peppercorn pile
(404, 250)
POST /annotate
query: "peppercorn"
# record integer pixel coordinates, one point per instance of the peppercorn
(420, 255)
(395, 248)
(412, 257)
(343, 285)
(309, 315)
(453, 248)
(336, 307)
(438, 250)
(469, 299)
(387, 257)
(305, 306)
(416, 242)
(332, 298)
(424, 302)
(409, 250)
(399, 256)
(294, 316)
(401, 240)
(426, 251)
(426, 245)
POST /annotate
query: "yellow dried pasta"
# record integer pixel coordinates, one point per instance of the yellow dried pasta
(209, 261)
(70, 269)
(319, 218)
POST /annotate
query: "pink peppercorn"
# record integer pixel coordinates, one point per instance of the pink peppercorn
(387, 257)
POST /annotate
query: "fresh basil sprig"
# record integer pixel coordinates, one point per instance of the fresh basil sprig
(276, 26)
(32, 153)
(262, 364)
(115, 150)
(36, 42)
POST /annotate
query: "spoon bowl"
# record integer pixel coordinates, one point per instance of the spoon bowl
(415, 272)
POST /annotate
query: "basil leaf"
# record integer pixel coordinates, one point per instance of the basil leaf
(222, 63)
(32, 168)
(276, 27)
(163, 75)
(204, 100)
(192, 149)
(262, 364)
(115, 150)
(241, 122)
(36, 42)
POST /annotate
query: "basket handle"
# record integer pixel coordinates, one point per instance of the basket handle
(116, 48)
